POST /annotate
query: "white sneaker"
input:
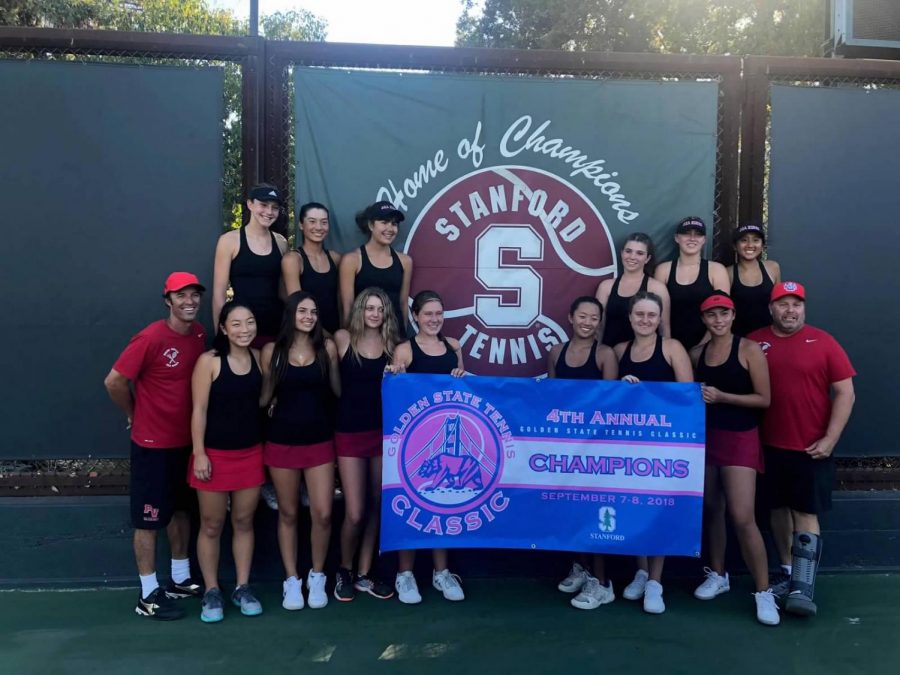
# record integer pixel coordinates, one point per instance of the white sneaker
(407, 589)
(635, 590)
(653, 598)
(292, 593)
(766, 609)
(712, 586)
(573, 583)
(315, 582)
(593, 594)
(448, 584)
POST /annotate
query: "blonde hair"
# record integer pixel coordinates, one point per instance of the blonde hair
(390, 333)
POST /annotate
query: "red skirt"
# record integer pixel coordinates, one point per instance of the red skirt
(734, 448)
(298, 456)
(230, 470)
(358, 443)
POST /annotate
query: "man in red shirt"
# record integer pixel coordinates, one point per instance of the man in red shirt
(151, 383)
(812, 398)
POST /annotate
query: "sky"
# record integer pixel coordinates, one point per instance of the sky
(410, 22)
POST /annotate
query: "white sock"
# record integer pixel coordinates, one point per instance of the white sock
(181, 570)
(787, 569)
(148, 584)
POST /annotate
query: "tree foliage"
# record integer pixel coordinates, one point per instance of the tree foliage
(768, 27)
(173, 16)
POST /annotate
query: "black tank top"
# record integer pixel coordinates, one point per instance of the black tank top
(732, 378)
(359, 408)
(254, 279)
(684, 314)
(432, 365)
(324, 285)
(388, 279)
(232, 414)
(586, 371)
(654, 369)
(617, 327)
(751, 303)
(301, 415)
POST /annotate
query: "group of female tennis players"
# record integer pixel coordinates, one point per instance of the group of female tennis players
(309, 333)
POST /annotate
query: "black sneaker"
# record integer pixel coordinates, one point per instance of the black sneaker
(374, 587)
(343, 585)
(158, 605)
(184, 589)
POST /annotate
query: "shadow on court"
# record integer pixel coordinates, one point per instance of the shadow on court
(510, 626)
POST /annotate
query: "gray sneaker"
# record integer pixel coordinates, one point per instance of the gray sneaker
(243, 597)
(213, 607)
(780, 584)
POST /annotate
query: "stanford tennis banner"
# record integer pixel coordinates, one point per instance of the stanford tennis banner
(486, 462)
(517, 191)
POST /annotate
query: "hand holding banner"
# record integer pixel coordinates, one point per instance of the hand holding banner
(486, 462)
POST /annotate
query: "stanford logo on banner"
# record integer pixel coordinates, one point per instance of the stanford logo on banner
(510, 236)
(517, 191)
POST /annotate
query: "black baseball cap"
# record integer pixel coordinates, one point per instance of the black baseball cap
(383, 211)
(266, 194)
(750, 228)
(691, 223)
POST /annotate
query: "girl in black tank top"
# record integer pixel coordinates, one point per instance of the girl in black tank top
(428, 352)
(254, 278)
(687, 327)
(664, 361)
(734, 394)
(685, 299)
(585, 314)
(366, 347)
(376, 264)
(227, 457)
(298, 270)
(299, 369)
(751, 303)
(617, 327)
(637, 257)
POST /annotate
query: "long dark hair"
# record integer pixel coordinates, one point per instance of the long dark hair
(287, 332)
(221, 344)
(644, 238)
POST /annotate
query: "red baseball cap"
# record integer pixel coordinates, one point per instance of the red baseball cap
(178, 280)
(717, 300)
(788, 288)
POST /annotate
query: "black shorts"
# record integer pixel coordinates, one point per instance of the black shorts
(796, 481)
(158, 485)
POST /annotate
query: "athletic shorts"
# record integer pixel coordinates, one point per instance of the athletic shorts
(734, 448)
(796, 481)
(158, 485)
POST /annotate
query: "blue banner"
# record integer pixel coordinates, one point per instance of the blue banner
(594, 466)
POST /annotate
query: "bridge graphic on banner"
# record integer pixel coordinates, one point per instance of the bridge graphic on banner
(454, 462)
